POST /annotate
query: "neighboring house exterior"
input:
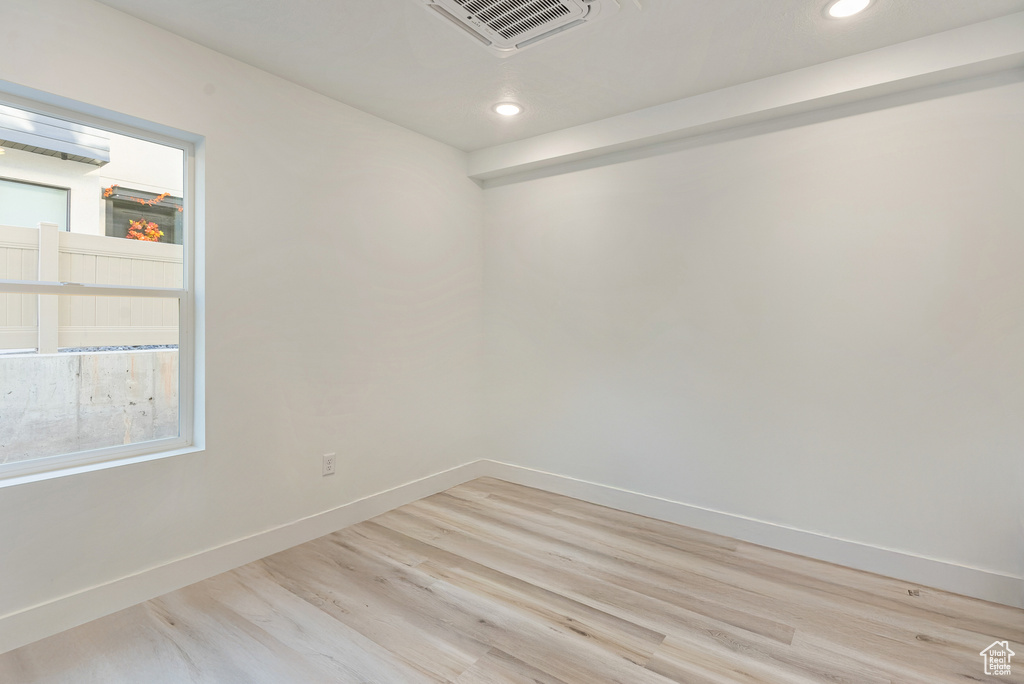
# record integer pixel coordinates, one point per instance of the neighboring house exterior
(68, 194)
(83, 179)
(87, 371)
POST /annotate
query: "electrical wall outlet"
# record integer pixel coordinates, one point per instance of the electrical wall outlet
(328, 464)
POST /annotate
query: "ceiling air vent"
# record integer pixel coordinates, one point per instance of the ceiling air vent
(507, 26)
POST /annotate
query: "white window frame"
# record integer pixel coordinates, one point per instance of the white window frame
(190, 401)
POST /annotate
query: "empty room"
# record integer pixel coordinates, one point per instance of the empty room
(511, 341)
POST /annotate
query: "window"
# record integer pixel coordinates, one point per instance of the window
(124, 205)
(96, 290)
(26, 204)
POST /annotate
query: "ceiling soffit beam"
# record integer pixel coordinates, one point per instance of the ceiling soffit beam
(975, 50)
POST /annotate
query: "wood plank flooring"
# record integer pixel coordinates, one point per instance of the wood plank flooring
(494, 583)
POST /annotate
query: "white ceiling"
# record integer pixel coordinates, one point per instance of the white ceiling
(393, 59)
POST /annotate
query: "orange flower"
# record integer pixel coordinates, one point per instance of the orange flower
(142, 229)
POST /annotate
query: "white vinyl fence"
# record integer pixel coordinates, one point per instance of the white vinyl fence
(46, 322)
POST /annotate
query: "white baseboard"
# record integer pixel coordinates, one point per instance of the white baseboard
(929, 572)
(53, 617)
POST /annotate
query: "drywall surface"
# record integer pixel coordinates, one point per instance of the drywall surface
(343, 298)
(817, 324)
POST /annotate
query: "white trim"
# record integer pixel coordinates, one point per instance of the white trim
(120, 255)
(29, 353)
(44, 287)
(20, 472)
(31, 624)
(29, 239)
(191, 370)
(9, 244)
(105, 246)
(979, 49)
(72, 336)
(125, 457)
(191, 359)
(930, 572)
(47, 104)
(43, 620)
(18, 337)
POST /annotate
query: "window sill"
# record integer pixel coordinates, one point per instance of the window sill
(44, 472)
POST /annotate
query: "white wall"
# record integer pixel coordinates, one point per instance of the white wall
(816, 326)
(343, 308)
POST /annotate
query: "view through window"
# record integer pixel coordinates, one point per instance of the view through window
(94, 295)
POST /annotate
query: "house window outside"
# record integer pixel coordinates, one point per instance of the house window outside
(96, 330)
(125, 205)
(25, 204)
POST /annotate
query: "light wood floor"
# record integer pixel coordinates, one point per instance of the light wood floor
(494, 583)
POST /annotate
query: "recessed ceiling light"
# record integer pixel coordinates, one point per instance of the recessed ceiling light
(508, 109)
(841, 9)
